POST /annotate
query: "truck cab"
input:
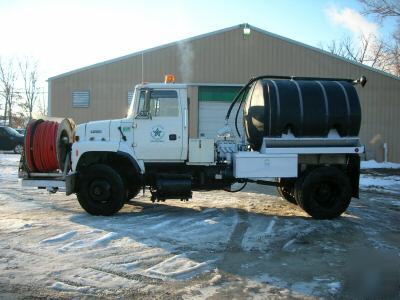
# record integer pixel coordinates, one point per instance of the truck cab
(159, 117)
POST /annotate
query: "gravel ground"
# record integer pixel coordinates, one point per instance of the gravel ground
(219, 245)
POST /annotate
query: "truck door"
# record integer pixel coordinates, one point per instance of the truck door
(160, 125)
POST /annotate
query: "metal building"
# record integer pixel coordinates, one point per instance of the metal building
(216, 64)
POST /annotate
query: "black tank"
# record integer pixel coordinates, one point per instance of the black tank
(309, 108)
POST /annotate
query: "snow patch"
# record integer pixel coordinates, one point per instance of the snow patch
(305, 288)
(91, 277)
(270, 226)
(388, 183)
(59, 238)
(89, 242)
(287, 246)
(373, 164)
(210, 221)
(334, 287)
(63, 287)
(215, 279)
(105, 239)
(179, 267)
(15, 224)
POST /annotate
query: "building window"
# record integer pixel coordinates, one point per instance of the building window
(130, 97)
(80, 99)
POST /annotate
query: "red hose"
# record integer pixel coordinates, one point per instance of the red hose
(41, 145)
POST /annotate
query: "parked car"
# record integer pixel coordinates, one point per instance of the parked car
(10, 139)
(21, 130)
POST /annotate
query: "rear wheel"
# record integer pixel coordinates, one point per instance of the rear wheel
(101, 190)
(324, 193)
(286, 190)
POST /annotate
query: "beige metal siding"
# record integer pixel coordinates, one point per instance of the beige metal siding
(230, 57)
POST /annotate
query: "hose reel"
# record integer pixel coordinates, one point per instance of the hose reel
(47, 144)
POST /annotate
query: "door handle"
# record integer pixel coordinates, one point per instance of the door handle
(172, 137)
(185, 118)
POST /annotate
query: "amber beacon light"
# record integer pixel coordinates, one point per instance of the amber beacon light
(169, 78)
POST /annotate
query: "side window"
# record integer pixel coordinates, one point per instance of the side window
(164, 103)
(142, 109)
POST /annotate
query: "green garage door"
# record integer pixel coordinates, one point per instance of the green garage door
(214, 102)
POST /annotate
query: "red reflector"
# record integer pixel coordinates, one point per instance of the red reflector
(76, 153)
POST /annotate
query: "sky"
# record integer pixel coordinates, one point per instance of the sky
(65, 35)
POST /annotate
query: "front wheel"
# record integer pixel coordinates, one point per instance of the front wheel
(324, 193)
(133, 191)
(100, 190)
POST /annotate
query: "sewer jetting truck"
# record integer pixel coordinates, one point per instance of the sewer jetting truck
(300, 135)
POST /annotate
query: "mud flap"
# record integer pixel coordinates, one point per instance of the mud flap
(353, 171)
(70, 184)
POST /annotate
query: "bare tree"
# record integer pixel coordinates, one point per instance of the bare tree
(394, 59)
(8, 78)
(29, 73)
(380, 53)
(381, 10)
(334, 47)
(365, 50)
(42, 107)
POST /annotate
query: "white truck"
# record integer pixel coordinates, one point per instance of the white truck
(301, 135)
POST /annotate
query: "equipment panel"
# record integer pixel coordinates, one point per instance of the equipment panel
(257, 165)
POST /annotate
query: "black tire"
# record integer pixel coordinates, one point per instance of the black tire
(100, 190)
(133, 191)
(324, 193)
(286, 190)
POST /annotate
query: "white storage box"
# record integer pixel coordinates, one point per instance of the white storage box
(201, 151)
(248, 164)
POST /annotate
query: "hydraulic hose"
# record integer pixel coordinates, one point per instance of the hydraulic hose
(237, 190)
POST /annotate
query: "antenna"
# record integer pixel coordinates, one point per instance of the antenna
(142, 69)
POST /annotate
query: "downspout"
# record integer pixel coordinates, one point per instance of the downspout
(49, 97)
(385, 152)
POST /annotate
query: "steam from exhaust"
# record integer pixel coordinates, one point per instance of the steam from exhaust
(186, 55)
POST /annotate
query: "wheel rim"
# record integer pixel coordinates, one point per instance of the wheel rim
(285, 191)
(100, 190)
(18, 149)
(325, 194)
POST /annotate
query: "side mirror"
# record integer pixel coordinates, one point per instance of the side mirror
(143, 115)
(145, 112)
